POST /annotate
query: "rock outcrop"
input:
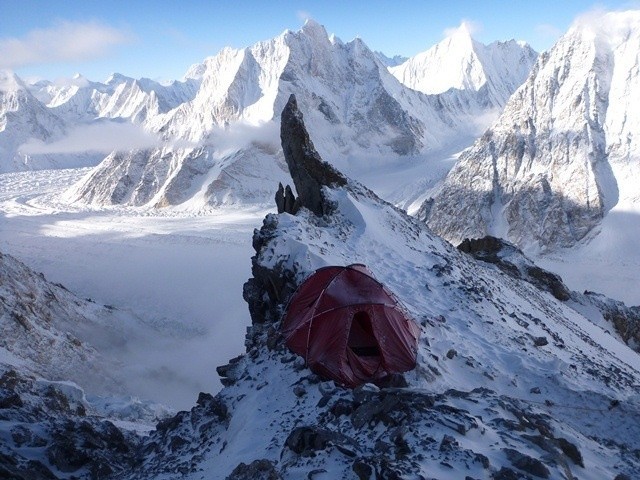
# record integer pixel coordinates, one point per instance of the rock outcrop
(49, 433)
(624, 320)
(309, 172)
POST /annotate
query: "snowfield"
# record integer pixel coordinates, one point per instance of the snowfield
(180, 272)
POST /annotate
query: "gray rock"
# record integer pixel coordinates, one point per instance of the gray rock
(526, 463)
(257, 470)
(309, 172)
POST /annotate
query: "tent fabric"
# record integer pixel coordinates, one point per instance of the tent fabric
(349, 327)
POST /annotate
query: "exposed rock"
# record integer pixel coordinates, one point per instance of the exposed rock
(540, 341)
(510, 259)
(362, 470)
(286, 201)
(571, 451)
(51, 431)
(526, 463)
(507, 257)
(307, 440)
(309, 172)
(257, 470)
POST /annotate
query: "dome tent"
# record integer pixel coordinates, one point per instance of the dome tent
(349, 327)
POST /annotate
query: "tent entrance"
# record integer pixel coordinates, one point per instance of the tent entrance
(362, 341)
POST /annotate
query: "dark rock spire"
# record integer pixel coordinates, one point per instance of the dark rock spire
(308, 171)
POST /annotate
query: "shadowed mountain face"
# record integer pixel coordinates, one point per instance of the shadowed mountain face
(554, 164)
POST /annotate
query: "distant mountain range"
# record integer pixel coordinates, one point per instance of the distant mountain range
(561, 156)
(210, 138)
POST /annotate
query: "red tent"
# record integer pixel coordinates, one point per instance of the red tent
(349, 327)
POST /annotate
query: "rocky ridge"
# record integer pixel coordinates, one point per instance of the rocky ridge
(505, 371)
(600, 310)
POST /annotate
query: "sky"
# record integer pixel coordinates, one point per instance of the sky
(160, 39)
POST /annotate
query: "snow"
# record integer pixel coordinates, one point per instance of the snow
(609, 263)
(179, 272)
(488, 318)
(462, 63)
(557, 173)
(179, 269)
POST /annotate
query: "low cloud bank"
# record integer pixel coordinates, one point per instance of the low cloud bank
(102, 137)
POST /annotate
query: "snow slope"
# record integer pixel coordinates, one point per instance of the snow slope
(179, 275)
(510, 381)
(462, 63)
(23, 117)
(564, 154)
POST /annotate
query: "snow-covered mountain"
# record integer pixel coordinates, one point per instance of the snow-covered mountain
(511, 381)
(564, 153)
(390, 61)
(22, 118)
(462, 63)
(358, 109)
(121, 97)
(505, 373)
(40, 323)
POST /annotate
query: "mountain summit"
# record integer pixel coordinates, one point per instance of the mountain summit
(462, 63)
(221, 146)
(564, 153)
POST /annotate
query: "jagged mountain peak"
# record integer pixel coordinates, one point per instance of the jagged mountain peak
(564, 151)
(462, 63)
(10, 82)
(117, 78)
(314, 29)
(357, 107)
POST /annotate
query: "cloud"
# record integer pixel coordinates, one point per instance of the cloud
(471, 26)
(303, 15)
(548, 31)
(103, 137)
(606, 24)
(240, 135)
(65, 41)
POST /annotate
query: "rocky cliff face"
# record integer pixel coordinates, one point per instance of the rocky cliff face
(550, 168)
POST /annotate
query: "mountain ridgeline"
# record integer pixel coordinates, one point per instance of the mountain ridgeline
(563, 154)
(211, 139)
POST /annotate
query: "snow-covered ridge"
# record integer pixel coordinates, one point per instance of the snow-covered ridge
(44, 328)
(462, 63)
(564, 152)
(358, 109)
(505, 373)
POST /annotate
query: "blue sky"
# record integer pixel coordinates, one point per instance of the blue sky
(160, 39)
